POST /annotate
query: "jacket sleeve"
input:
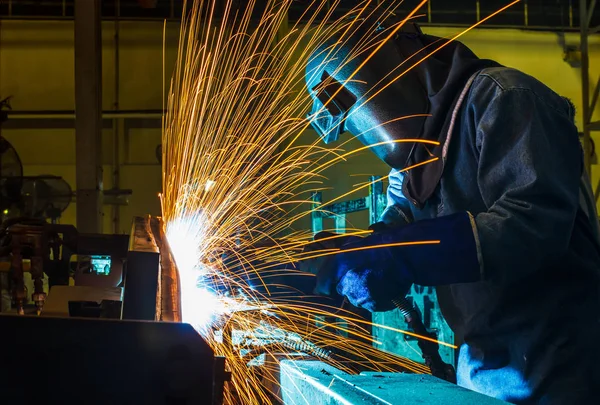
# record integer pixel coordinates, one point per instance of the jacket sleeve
(530, 163)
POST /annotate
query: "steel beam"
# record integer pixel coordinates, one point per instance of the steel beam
(88, 119)
(169, 296)
(152, 282)
(591, 12)
(585, 83)
(142, 277)
(595, 95)
(594, 126)
(117, 125)
(316, 383)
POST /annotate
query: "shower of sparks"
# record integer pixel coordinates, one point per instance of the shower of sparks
(236, 178)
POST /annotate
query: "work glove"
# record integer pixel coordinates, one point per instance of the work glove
(373, 271)
(370, 278)
(358, 272)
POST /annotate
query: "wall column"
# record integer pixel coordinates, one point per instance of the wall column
(88, 115)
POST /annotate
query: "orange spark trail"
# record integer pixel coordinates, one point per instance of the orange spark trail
(234, 177)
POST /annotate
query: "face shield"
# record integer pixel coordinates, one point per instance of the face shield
(331, 103)
(367, 95)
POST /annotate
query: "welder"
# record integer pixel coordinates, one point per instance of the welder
(505, 193)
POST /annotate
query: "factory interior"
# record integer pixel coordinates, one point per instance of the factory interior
(106, 158)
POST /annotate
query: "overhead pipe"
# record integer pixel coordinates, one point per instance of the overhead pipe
(70, 114)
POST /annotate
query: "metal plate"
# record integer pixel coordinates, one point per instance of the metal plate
(316, 383)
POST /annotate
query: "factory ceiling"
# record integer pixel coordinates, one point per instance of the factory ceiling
(545, 14)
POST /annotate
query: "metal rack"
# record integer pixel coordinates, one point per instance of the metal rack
(375, 202)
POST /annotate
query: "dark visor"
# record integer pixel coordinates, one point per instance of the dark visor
(331, 103)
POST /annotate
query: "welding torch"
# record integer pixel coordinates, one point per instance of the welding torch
(331, 242)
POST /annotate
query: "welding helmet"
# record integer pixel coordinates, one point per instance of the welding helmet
(355, 90)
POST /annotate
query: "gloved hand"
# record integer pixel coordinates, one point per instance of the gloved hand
(373, 288)
(367, 277)
(373, 271)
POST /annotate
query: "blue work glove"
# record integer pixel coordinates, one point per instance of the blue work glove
(373, 271)
(366, 277)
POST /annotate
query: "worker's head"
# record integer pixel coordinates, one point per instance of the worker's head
(359, 91)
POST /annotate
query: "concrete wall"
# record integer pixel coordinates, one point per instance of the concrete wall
(37, 68)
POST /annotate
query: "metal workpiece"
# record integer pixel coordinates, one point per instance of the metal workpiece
(270, 372)
(141, 238)
(316, 383)
(140, 299)
(168, 299)
(151, 281)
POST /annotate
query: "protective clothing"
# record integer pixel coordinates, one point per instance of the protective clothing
(513, 159)
(510, 155)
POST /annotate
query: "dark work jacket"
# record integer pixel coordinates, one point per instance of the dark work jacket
(513, 159)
